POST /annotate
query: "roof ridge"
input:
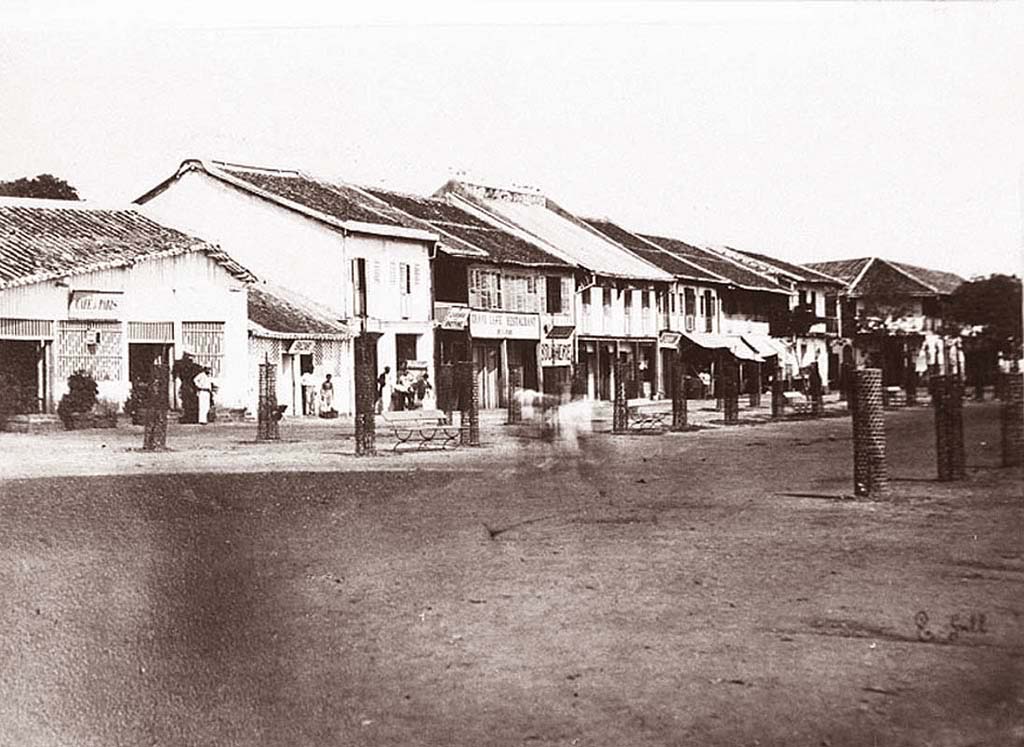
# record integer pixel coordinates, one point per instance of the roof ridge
(256, 169)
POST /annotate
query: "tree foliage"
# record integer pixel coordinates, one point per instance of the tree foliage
(993, 303)
(46, 186)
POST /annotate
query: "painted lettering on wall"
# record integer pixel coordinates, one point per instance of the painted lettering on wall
(95, 304)
(501, 325)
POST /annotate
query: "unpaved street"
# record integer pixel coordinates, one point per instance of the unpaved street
(709, 588)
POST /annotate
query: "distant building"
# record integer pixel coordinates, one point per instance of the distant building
(617, 295)
(367, 263)
(499, 300)
(892, 315)
(110, 291)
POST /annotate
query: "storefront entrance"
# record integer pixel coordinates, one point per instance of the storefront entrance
(23, 375)
(487, 359)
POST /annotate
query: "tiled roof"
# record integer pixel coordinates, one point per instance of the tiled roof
(845, 270)
(805, 274)
(943, 282)
(332, 202)
(567, 235)
(280, 312)
(45, 239)
(887, 277)
(716, 264)
(466, 235)
(668, 262)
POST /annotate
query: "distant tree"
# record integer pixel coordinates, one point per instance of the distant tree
(45, 186)
(994, 305)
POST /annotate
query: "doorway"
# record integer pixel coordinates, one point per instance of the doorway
(405, 350)
(22, 371)
(142, 356)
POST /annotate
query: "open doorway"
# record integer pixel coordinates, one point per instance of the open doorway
(23, 375)
(142, 356)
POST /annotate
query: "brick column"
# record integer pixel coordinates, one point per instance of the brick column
(366, 396)
(870, 470)
(155, 434)
(1012, 419)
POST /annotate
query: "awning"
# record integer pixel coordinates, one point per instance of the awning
(766, 346)
(561, 332)
(731, 343)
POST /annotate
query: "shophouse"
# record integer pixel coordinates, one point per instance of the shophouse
(892, 316)
(617, 294)
(499, 300)
(306, 342)
(326, 240)
(810, 325)
(109, 291)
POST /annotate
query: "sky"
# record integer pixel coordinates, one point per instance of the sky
(810, 131)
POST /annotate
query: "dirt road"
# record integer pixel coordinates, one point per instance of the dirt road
(699, 589)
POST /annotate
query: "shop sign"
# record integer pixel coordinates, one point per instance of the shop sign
(457, 318)
(669, 339)
(504, 325)
(556, 353)
(300, 347)
(95, 304)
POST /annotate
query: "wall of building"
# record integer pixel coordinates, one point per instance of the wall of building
(188, 297)
(603, 310)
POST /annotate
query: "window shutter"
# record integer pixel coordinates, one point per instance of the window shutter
(416, 274)
(376, 271)
(393, 272)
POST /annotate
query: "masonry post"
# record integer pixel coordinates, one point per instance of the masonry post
(366, 396)
(620, 410)
(870, 470)
(155, 434)
(679, 411)
(1012, 418)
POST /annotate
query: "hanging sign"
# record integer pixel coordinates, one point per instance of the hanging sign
(504, 325)
(457, 318)
(301, 346)
(669, 339)
(95, 304)
(556, 353)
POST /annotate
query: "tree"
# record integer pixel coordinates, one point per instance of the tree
(992, 304)
(45, 186)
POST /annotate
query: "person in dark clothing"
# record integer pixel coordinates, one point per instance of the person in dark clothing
(383, 387)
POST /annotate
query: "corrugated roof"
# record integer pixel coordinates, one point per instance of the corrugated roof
(282, 312)
(679, 267)
(45, 239)
(805, 274)
(460, 230)
(568, 236)
(717, 264)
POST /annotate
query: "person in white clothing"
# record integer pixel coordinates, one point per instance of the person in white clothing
(204, 390)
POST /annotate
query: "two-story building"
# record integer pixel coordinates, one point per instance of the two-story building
(811, 325)
(892, 316)
(499, 300)
(326, 240)
(617, 295)
(109, 291)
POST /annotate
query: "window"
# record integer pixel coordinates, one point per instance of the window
(690, 301)
(645, 299)
(485, 289)
(672, 299)
(586, 300)
(554, 294)
(359, 287)
(831, 306)
(708, 304)
(404, 278)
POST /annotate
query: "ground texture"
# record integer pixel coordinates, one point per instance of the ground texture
(708, 588)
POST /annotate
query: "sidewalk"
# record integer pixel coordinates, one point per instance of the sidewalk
(307, 444)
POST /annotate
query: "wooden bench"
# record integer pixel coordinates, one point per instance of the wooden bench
(797, 402)
(893, 397)
(422, 427)
(647, 416)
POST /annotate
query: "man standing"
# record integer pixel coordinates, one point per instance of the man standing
(383, 389)
(308, 383)
(204, 390)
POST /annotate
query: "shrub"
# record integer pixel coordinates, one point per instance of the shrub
(16, 398)
(81, 397)
(137, 400)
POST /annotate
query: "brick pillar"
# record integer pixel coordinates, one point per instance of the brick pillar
(620, 409)
(366, 396)
(957, 455)
(446, 397)
(817, 392)
(755, 386)
(267, 414)
(730, 391)
(777, 403)
(469, 403)
(515, 405)
(679, 411)
(155, 433)
(1012, 418)
(870, 471)
(940, 404)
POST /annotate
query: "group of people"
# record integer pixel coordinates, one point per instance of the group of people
(408, 392)
(317, 400)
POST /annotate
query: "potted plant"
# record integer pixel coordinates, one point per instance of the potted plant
(75, 408)
(138, 401)
(106, 414)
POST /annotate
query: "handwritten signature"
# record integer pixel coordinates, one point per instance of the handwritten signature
(959, 624)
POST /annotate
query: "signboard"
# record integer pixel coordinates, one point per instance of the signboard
(669, 339)
(556, 353)
(457, 318)
(504, 325)
(301, 346)
(95, 304)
